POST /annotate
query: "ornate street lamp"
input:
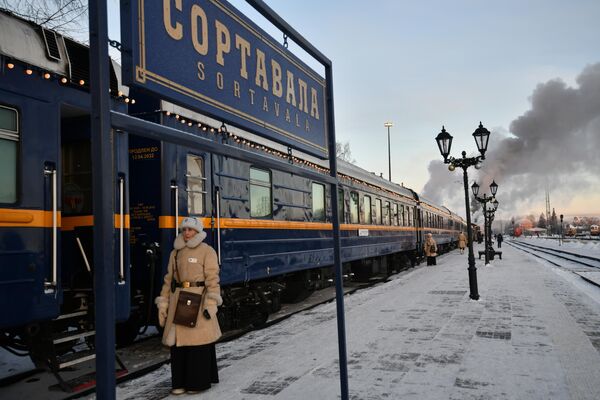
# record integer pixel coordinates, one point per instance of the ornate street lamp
(487, 225)
(444, 142)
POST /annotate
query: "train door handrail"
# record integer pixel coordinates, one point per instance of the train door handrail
(121, 230)
(218, 201)
(51, 171)
(175, 188)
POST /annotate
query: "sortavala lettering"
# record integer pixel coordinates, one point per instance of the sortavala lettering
(267, 74)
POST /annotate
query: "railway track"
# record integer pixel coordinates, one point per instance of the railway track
(592, 262)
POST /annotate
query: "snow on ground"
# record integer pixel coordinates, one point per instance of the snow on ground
(584, 247)
(532, 335)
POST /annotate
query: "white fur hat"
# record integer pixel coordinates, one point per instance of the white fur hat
(192, 223)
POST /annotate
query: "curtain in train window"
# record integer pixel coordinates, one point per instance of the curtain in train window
(9, 147)
(379, 212)
(353, 208)
(388, 213)
(318, 202)
(341, 205)
(395, 215)
(261, 205)
(196, 184)
(368, 210)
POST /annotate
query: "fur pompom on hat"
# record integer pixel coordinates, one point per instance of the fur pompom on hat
(192, 223)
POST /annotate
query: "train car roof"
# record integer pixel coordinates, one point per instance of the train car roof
(344, 168)
(35, 46)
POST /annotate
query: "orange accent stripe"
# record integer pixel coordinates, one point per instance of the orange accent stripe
(168, 222)
(70, 223)
(27, 218)
(118, 221)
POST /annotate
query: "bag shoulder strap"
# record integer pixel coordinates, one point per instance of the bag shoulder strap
(175, 270)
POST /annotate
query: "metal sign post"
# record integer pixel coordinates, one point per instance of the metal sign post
(102, 184)
(270, 15)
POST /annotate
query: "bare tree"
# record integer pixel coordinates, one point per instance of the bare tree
(64, 16)
(342, 151)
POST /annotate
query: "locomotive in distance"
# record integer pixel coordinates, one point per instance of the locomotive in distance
(272, 229)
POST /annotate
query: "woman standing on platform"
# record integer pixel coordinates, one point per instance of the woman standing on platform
(462, 242)
(430, 248)
(193, 273)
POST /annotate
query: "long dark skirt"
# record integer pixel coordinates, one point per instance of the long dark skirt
(431, 260)
(194, 367)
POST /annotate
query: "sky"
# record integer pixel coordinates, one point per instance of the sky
(424, 64)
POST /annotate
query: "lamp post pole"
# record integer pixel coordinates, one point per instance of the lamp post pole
(444, 142)
(487, 228)
(561, 230)
(388, 125)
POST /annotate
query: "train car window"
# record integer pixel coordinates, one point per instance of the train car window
(368, 210)
(378, 211)
(9, 148)
(341, 205)
(410, 216)
(196, 188)
(395, 214)
(261, 205)
(318, 202)
(402, 219)
(388, 213)
(353, 208)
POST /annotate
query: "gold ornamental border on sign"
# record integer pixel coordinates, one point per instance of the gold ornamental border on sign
(142, 75)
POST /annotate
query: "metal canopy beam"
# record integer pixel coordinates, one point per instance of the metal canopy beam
(155, 131)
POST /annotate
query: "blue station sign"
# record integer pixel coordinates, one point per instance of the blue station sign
(208, 57)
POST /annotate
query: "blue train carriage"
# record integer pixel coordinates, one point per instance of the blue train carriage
(272, 230)
(46, 223)
(441, 223)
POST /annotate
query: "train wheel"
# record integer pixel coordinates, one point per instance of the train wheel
(297, 287)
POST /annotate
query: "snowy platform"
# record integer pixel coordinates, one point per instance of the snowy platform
(534, 334)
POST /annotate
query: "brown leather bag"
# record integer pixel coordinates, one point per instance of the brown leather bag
(188, 305)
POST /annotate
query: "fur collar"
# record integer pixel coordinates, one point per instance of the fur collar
(192, 243)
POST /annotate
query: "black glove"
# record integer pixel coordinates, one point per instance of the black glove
(206, 314)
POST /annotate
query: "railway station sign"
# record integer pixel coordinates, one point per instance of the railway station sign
(207, 56)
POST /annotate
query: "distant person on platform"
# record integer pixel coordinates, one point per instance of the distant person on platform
(499, 238)
(430, 249)
(462, 242)
(479, 237)
(193, 272)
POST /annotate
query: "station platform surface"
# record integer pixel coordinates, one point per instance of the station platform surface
(533, 334)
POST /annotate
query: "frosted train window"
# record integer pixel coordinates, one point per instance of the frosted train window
(368, 210)
(261, 205)
(354, 208)
(379, 215)
(341, 205)
(388, 213)
(196, 184)
(318, 202)
(9, 147)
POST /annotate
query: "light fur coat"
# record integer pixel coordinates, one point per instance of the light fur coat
(196, 261)
(462, 240)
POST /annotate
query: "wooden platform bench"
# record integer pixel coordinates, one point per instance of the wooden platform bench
(496, 253)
